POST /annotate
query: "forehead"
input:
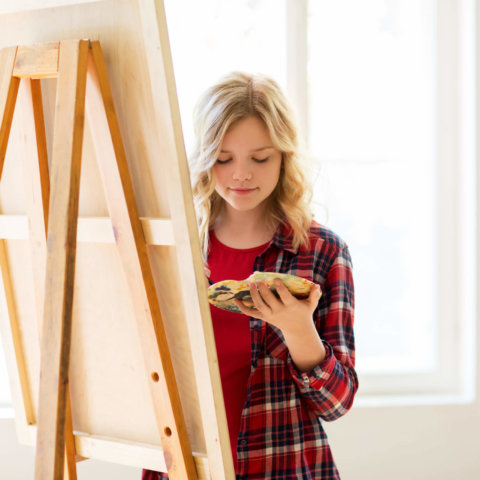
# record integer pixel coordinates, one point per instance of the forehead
(249, 133)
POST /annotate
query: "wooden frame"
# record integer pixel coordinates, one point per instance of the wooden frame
(133, 233)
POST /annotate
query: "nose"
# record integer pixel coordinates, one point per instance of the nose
(242, 173)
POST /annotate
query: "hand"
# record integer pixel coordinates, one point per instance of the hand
(287, 313)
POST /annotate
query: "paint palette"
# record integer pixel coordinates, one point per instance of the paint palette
(222, 294)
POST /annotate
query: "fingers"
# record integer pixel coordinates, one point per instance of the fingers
(289, 300)
(267, 304)
(263, 300)
(250, 312)
(283, 292)
(314, 296)
(263, 297)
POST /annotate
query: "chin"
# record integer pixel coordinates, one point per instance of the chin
(243, 208)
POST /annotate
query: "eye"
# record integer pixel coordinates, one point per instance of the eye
(260, 160)
(222, 162)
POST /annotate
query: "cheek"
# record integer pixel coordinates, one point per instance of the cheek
(220, 175)
(215, 173)
(275, 175)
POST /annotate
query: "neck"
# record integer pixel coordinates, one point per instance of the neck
(239, 229)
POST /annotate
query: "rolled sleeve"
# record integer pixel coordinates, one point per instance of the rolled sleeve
(317, 376)
(329, 388)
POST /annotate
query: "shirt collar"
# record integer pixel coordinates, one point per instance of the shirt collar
(283, 238)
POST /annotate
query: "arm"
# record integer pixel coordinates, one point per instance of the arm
(319, 339)
(304, 344)
(329, 387)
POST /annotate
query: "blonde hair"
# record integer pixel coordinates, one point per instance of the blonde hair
(236, 97)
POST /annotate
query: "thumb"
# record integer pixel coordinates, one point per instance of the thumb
(314, 296)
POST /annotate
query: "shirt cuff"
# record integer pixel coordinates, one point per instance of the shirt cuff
(318, 375)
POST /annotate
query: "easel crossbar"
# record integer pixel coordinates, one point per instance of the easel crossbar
(37, 61)
(157, 231)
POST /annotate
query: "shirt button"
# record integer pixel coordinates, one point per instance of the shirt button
(306, 381)
(243, 442)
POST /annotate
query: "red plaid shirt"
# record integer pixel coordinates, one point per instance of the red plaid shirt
(281, 435)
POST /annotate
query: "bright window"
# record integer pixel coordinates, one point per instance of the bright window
(213, 37)
(372, 127)
(390, 125)
(384, 89)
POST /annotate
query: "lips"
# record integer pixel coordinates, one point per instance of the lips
(242, 191)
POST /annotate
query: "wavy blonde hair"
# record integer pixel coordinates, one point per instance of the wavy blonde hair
(235, 97)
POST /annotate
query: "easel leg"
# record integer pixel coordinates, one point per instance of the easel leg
(37, 195)
(70, 463)
(133, 254)
(60, 269)
(8, 97)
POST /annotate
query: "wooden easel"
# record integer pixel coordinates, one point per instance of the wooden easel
(82, 83)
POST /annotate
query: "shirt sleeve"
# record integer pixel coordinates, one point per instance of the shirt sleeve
(329, 388)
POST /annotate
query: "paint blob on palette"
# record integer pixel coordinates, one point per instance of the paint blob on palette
(222, 294)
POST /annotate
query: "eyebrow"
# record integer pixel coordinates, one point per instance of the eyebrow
(256, 150)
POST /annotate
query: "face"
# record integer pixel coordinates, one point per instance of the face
(248, 167)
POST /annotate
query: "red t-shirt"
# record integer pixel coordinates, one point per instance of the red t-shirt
(232, 331)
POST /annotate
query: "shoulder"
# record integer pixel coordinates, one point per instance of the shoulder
(322, 238)
(329, 253)
(322, 244)
(326, 248)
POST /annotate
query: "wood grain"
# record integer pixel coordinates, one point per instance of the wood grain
(61, 246)
(37, 195)
(37, 61)
(8, 96)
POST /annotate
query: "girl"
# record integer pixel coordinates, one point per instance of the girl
(288, 365)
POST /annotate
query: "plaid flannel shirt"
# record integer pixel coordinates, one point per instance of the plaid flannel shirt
(281, 435)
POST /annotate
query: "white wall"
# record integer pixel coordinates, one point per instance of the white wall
(408, 443)
(439, 442)
(17, 462)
